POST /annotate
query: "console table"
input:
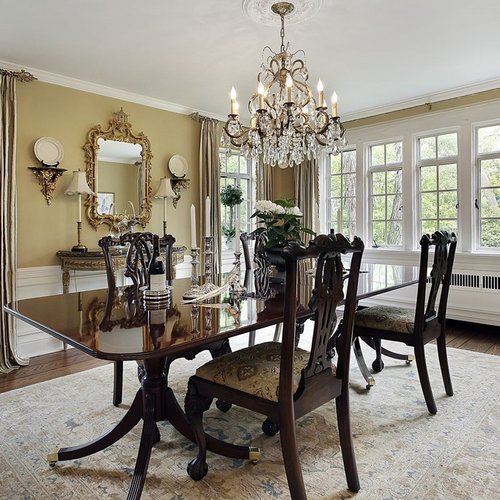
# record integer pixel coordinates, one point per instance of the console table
(93, 260)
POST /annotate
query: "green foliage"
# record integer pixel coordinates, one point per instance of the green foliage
(281, 222)
(231, 195)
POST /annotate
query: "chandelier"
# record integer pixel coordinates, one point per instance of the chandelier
(287, 124)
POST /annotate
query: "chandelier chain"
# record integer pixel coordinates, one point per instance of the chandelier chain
(282, 32)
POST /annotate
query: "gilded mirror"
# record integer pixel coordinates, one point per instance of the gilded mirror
(119, 172)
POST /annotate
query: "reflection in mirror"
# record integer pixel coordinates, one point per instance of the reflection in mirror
(119, 177)
(119, 172)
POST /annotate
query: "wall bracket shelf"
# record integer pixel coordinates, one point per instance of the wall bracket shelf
(47, 177)
(177, 185)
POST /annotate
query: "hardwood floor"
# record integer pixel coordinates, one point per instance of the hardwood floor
(461, 335)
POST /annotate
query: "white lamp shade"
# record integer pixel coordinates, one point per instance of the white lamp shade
(165, 189)
(78, 184)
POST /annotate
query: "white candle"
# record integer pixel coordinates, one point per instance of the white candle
(165, 209)
(334, 104)
(79, 207)
(237, 231)
(321, 94)
(207, 217)
(233, 101)
(193, 227)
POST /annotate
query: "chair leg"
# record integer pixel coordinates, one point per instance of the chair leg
(291, 458)
(346, 444)
(443, 362)
(118, 383)
(195, 405)
(277, 332)
(424, 378)
(378, 364)
(251, 338)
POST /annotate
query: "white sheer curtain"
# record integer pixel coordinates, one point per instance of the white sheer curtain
(9, 359)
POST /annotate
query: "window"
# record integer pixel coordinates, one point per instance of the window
(341, 196)
(236, 169)
(385, 165)
(488, 182)
(437, 160)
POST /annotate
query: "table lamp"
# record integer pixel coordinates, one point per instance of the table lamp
(79, 186)
(165, 191)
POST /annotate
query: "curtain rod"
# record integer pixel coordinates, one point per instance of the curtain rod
(21, 76)
(200, 118)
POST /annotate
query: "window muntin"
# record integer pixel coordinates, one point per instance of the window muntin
(236, 169)
(488, 175)
(385, 164)
(437, 160)
(341, 198)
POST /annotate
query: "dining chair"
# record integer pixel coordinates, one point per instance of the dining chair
(139, 251)
(139, 246)
(416, 327)
(261, 268)
(285, 382)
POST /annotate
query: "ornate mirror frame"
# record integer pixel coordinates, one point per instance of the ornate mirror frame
(119, 130)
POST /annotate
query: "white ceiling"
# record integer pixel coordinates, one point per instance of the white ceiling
(376, 54)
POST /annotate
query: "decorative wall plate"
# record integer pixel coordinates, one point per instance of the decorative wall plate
(178, 166)
(49, 150)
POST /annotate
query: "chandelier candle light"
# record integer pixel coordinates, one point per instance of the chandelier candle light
(287, 124)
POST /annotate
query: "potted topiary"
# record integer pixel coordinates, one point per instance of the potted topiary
(230, 196)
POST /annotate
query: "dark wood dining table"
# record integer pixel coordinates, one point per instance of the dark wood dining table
(116, 325)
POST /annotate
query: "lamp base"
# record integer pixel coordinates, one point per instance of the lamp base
(79, 248)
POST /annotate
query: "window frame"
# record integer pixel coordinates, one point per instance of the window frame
(437, 162)
(386, 167)
(477, 158)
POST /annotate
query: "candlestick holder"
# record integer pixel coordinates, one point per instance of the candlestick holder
(208, 255)
(194, 291)
(236, 287)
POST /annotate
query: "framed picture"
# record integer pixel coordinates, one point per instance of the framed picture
(105, 203)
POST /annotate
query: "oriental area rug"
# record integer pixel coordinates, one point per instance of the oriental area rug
(402, 452)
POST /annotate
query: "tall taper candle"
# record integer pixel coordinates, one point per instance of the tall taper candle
(79, 207)
(193, 227)
(207, 217)
(237, 230)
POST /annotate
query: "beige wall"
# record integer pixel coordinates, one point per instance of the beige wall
(67, 115)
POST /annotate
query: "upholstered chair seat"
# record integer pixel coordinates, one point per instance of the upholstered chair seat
(254, 370)
(388, 318)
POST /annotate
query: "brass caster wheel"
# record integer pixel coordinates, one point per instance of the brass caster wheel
(53, 457)
(370, 383)
(409, 359)
(253, 455)
(197, 469)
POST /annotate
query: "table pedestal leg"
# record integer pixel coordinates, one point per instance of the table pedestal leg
(154, 402)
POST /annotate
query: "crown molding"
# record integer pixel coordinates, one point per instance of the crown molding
(95, 88)
(464, 90)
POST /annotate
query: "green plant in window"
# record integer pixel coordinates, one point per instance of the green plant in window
(230, 196)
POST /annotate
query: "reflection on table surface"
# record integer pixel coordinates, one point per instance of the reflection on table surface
(118, 326)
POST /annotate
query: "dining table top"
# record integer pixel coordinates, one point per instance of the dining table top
(116, 325)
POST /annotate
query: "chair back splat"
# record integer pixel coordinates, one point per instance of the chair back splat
(440, 277)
